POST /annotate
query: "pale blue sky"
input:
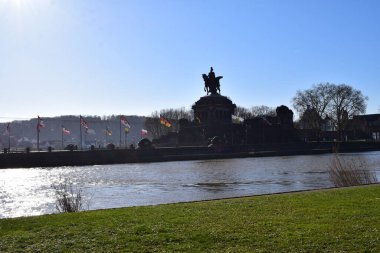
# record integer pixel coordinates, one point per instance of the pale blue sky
(95, 57)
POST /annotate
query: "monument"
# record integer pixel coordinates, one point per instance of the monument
(213, 118)
(212, 114)
(212, 84)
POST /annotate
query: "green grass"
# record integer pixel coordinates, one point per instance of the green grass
(337, 220)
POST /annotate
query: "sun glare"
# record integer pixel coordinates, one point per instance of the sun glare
(19, 5)
(20, 13)
(16, 4)
(14, 7)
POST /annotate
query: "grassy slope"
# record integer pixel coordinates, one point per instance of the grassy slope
(338, 220)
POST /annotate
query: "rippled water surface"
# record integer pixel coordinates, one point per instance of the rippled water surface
(25, 192)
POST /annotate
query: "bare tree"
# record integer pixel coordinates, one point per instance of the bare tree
(152, 124)
(337, 102)
(344, 104)
(314, 103)
(242, 112)
(262, 110)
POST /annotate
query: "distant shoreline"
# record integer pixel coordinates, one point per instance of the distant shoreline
(120, 156)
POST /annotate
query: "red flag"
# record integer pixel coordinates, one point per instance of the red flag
(40, 124)
(124, 121)
(83, 122)
(65, 130)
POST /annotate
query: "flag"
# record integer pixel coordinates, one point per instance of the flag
(108, 132)
(126, 130)
(124, 122)
(144, 132)
(165, 122)
(40, 124)
(65, 130)
(8, 129)
(83, 122)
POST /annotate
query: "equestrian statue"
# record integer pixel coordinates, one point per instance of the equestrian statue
(212, 84)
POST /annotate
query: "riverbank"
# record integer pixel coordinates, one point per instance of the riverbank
(118, 156)
(334, 220)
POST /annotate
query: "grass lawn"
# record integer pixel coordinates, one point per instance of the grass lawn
(336, 220)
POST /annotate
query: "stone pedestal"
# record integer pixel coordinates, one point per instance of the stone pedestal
(213, 115)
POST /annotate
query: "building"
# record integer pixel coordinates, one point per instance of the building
(365, 127)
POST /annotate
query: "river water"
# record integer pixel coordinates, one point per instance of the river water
(26, 192)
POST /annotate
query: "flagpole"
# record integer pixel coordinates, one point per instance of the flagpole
(9, 137)
(85, 137)
(80, 129)
(38, 133)
(62, 135)
(120, 130)
(106, 136)
(125, 139)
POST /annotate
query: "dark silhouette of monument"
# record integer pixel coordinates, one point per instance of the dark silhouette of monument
(271, 129)
(213, 120)
(212, 84)
(212, 114)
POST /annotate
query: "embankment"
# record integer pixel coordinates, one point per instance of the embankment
(116, 156)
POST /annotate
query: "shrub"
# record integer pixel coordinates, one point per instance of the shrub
(67, 199)
(350, 172)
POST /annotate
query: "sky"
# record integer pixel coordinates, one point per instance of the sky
(133, 57)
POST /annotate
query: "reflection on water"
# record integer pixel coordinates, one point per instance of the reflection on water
(29, 191)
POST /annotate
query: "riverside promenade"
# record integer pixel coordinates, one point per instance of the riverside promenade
(162, 154)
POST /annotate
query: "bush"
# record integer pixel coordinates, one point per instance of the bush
(350, 172)
(67, 199)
